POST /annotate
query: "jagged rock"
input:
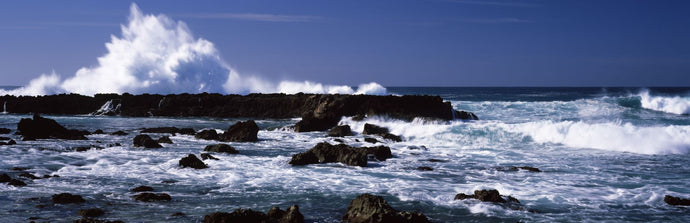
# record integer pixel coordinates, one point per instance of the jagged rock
(192, 161)
(392, 137)
(370, 140)
(221, 148)
(380, 152)
(146, 142)
(340, 131)
(676, 201)
(142, 189)
(91, 212)
(151, 197)
(5, 131)
(465, 115)
(165, 139)
(327, 153)
(425, 168)
(16, 183)
(98, 131)
(119, 133)
(241, 132)
(67, 198)
(208, 134)
(487, 196)
(309, 123)
(291, 215)
(370, 208)
(370, 129)
(206, 156)
(45, 128)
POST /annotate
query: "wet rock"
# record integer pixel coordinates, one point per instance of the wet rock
(370, 208)
(327, 153)
(169, 130)
(465, 115)
(309, 123)
(517, 168)
(392, 137)
(44, 128)
(29, 176)
(221, 148)
(98, 131)
(241, 132)
(142, 189)
(425, 168)
(370, 140)
(206, 156)
(291, 215)
(370, 129)
(165, 139)
(5, 131)
(67, 198)
(340, 131)
(381, 153)
(192, 161)
(91, 220)
(676, 201)
(487, 196)
(437, 160)
(119, 133)
(339, 140)
(208, 134)
(91, 212)
(187, 131)
(146, 142)
(178, 214)
(4, 178)
(151, 197)
(239, 215)
(16, 183)
(8, 143)
(82, 148)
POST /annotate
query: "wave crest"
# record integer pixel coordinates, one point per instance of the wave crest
(676, 105)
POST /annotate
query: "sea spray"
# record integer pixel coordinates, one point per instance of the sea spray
(676, 104)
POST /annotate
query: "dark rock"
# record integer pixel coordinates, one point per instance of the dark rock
(370, 208)
(29, 176)
(340, 131)
(291, 215)
(309, 123)
(327, 153)
(8, 143)
(676, 200)
(206, 156)
(487, 196)
(44, 128)
(221, 148)
(178, 214)
(16, 183)
(425, 168)
(192, 161)
(4, 178)
(119, 133)
(392, 137)
(67, 198)
(239, 215)
(169, 130)
(142, 189)
(91, 220)
(165, 139)
(91, 212)
(241, 132)
(370, 140)
(462, 196)
(339, 140)
(187, 131)
(380, 152)
(4, 138)
(464, 115)
(530, 169)
(151, 197)
(98, 131)
(370, 129)
(208, 134)
(515, 168)
(146, 142)
(5, 131)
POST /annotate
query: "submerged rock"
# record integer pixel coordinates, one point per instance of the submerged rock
(98, 131)
(67, 198)
(119, 133)
(425, 168)
(370, 208)
(146, 142)
(221, 148)
(464, 115)
(192, 161)
(208, 134)
(676, 201)
(241, 132)
(165, 139)
(91, 212)
(292, 215)
(45, 128)
(340, 131)
(486, 196)
(151, 197)
(370, 140)
(4, 178)
(16, 183)
(91, 220)
(370, 129)
(206, 156)
(517, 168)
(327, 153)
(5, 131)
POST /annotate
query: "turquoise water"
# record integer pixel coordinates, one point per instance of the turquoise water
(607, 154)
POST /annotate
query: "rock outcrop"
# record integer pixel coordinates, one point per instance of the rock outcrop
(151, 197)
(241, 132)
(165, 140)
(327, 153)
(370, 129)
(487, 196)
(67, 198)
(221, 148)
(142, 189)
(145, 141)
(45, 128)
(91, 212)
(275, 215)
(193, 162)
(169, 130)
(340, 131)
(5, 131)
(207, 134)
(676, 201)
(369, 208)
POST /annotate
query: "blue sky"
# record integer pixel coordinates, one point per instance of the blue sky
(394, 43)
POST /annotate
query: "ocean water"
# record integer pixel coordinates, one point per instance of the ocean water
(606, 155)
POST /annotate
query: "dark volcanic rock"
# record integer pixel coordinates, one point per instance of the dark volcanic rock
(370, 208)
(392, 137)
(370, 140)
(119, 133)
(29, 176)
(142, 189)
(486, 196)
(275, 215)
(327, 153)
(221, 148)
(380, 152)
(170, 130)
(241, 132)
(67, 198)
(151, 197)
(340, 131)
(165, 139)
(4, 178)
(8, 143)
(208, 134)
(425, 168)
(192, 161)
(676, 200)
(291, 215)
(91, 212)
(206, 156)
(146, 142)
(517, 168)
(370, 129)
(464, 115)
(44, 128)
(5, 131)
(16, 183)
(98, 131)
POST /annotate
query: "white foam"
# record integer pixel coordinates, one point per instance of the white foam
(624, 137)
(676, 105)
(156, 54)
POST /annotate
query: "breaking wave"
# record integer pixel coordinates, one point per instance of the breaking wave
(676, 105)
(156, 54)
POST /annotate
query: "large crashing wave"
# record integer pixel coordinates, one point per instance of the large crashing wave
(156, 54)
(676, 105)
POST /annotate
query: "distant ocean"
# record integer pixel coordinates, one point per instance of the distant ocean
(606, 155)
